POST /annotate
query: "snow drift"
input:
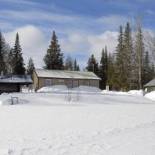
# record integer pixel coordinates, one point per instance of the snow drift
(65, 89)
(52, 89)
(151, 95)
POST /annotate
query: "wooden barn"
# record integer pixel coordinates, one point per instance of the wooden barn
(13, 83)
(43, 78)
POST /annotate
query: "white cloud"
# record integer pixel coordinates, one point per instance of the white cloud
(33, 42)
(77, 42)
(71, 21)
(98, 42)
(37, 15)
(74, 42)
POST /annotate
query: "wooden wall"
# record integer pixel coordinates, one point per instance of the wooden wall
(43, 82)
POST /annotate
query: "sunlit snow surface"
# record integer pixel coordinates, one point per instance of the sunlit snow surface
(77, 124)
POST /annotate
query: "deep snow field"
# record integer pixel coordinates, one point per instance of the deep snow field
(77, 124)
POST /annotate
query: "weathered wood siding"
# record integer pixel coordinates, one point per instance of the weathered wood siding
(35, 81)
(42, 82)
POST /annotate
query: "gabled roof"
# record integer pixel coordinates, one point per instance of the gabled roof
(64, 74)
(150, 84)
(21, 79)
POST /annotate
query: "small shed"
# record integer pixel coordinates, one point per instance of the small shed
(13, 83)
(150, 86)
(43, 78)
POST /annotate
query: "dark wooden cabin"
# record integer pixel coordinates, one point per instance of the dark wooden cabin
(14, 83)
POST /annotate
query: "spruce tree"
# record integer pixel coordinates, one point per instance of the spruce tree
(30, 67)
(76, 66)
(128, 57)
(18, 61)
(147, 69)
(54, 58)
(119, 67)
(10, 61)
(103, 69)
(112, 79)
(93, 65)
(125, 59)
(2, 55)
(69, 64)
(152, 71)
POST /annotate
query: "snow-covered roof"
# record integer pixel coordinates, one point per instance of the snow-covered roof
(66, 74)
(150, 84)
(16, 79)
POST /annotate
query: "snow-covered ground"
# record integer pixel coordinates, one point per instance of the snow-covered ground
(77, 124)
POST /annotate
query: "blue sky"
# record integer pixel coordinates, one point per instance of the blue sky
(83, 27)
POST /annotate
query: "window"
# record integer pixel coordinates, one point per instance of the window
(48, 82)
(61, 81)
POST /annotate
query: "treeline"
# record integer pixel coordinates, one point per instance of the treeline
(129, 67)
(11, 59)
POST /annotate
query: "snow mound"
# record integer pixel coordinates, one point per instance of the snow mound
(87, 89)
(54, 88)
(151, 95)
(131, 92)
(136, 92)
(114, 92)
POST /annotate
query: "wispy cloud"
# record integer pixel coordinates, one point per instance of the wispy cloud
(71, 21)
(24, 2)
(36, 15)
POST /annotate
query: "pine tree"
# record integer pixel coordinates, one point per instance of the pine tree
(128, 55)
(139, 50)
(2, 55)
(54, 58)
(76, 66)
(152, 71)
(18, 61)
(120, 68)
(147, 69)
(103, 69)
(30, 67)
(10, 61)
(125, 62)
(69, 64)
(93, 65)
(112, 80)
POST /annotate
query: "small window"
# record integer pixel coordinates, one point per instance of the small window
(48, 82)
(61, 81)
